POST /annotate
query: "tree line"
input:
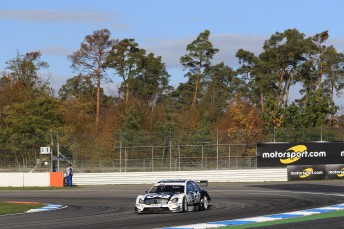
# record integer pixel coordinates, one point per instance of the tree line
(246, 100)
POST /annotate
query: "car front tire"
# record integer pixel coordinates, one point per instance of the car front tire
(204, 203)
(185, 206)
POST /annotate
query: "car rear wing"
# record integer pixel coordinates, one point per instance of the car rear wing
(202, 183)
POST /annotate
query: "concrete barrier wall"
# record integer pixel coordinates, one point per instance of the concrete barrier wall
(11, 179)
(36, 179)
(246, 175)
(24, 179)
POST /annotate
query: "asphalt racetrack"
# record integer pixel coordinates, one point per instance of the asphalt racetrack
(112, 206)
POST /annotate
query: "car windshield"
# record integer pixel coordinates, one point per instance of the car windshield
(167, 188)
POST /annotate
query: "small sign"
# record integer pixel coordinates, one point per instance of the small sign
(45, 150)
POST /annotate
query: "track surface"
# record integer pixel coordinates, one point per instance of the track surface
(113, 206)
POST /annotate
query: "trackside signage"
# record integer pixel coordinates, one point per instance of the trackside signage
(283, 154)
(335, 171)
(306, 172)
(315, 172)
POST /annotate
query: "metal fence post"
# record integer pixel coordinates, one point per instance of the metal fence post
(170, 153)
(202, 157)
(51, 153)
(125, 159)
(217, 149)
(120, 156)
(179, 156)
(229, 156)
(152, 158)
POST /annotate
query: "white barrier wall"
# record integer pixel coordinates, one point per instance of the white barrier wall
(249, 175)
(11, 179)
(36, 179)
(24, 179)
(245, 175)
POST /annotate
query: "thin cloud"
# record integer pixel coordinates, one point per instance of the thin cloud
(338, 43)
(57, 51)
(57, 16)
(228, 44)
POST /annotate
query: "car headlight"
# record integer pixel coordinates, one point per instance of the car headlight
(141, 201)
(175, 200)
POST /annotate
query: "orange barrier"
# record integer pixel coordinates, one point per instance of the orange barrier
(56, 179)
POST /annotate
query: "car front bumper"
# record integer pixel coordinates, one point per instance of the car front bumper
(158, 208)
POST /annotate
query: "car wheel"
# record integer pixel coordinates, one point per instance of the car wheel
(205, 203)
(185, 205)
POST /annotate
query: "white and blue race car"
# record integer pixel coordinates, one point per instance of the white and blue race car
(173, 196)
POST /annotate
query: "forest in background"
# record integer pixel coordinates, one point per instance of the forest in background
(239, 106)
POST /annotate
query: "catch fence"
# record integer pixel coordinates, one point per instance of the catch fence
(175, 158)
(155, 158)
(141, 151)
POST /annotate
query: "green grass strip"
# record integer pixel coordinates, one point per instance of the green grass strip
(334, 214)
(18, 207)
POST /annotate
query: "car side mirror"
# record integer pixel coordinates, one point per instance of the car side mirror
(146, 191)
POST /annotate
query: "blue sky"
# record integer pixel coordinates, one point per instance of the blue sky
(57, 28)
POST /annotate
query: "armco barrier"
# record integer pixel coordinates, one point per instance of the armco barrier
(248, 175)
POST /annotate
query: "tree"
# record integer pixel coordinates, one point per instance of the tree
(127, 59)
(255, 73)
(242, 121)
(21, 81)
(200, 54)
(180, 97)
(318, 57)
(316, 109)
(24, 68)
(152, 82)
(221, 84)
(27, 109)
(91, 56)
(78, 87)
(26, 126)
(283, 53)
(334, 71)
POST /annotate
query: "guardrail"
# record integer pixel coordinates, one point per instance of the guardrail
(245, 175)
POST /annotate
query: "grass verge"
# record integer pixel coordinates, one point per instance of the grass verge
(334, 214)
(12, 207)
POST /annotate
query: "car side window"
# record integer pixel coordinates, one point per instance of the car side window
(196, 187)
(189, 187)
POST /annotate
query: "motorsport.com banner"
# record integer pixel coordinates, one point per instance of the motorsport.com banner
(282, 154)
(315, 172)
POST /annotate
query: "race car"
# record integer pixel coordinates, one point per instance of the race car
(173, 196)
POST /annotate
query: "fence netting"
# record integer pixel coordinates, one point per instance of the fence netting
(139, 151)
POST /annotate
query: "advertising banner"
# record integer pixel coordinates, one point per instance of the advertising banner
(282, 154)
(306, 172)
(334, 171)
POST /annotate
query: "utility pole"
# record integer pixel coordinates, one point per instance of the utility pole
(51, 151)
(58, 151)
